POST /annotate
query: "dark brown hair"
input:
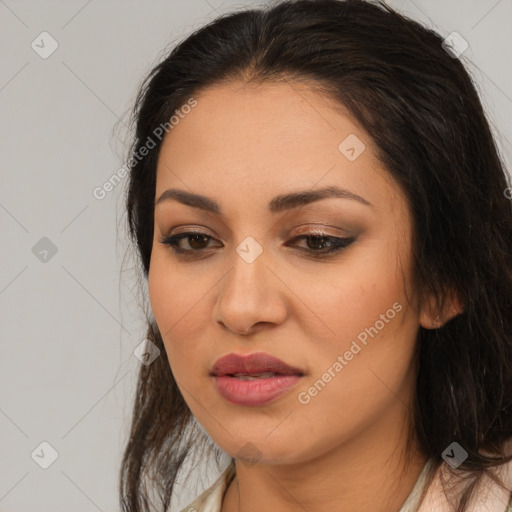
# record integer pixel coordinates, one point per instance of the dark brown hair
(422, 110)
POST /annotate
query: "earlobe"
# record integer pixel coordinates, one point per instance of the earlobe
(434, 316)
(428, 321)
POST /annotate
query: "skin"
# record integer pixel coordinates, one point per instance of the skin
(242, 145)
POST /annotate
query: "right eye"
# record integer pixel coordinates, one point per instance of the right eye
(195, 239)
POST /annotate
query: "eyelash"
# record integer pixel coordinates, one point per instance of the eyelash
(339, 243)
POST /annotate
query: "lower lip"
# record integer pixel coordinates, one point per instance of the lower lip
(254, 392)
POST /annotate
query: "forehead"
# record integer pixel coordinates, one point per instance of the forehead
(268, 138)
(280, 116)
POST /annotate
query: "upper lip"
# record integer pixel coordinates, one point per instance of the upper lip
(252, 364)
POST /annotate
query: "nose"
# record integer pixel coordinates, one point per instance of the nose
(250, 297)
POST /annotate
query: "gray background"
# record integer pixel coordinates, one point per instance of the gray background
(70, 323)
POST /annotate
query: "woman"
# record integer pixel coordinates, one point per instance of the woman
(321, 215)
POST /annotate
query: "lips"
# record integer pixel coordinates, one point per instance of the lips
(254, 380)
(257, 365)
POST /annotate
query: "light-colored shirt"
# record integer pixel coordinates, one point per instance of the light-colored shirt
(494, 500)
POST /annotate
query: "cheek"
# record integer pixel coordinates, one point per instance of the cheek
(352, 295)
(162, 288)
(368, 338)
(371, 325)
(178, 301)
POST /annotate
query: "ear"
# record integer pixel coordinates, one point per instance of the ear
(434, 315)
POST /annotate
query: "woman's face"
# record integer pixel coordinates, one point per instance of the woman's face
(253, 281)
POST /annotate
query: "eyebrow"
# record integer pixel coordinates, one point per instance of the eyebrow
(277, 204)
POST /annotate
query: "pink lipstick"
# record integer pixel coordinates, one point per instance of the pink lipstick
(255, 379)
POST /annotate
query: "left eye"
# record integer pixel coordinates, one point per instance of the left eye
(315, 240)
(317, 244)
